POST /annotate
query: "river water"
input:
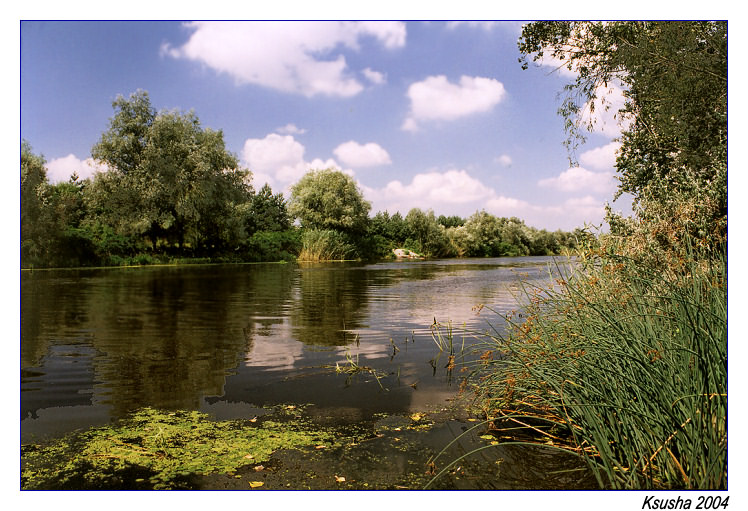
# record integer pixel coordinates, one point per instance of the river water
(97, 344)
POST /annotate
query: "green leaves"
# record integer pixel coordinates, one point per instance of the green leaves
(674, 74)
(329, 199)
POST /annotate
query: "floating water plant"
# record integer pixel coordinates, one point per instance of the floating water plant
(155, 449)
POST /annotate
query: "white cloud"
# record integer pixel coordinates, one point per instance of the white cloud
(453, 190)
(357, 155)
(602, 112)
(485, 25)
(572, 213)
(279, 160)
(60, 169)
(374, 77)
(601, 158)
(504, 160)
(435, 98)
(291, 129)
(294, 57)
(581, 179)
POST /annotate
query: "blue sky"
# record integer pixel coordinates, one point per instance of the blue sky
(433, 115)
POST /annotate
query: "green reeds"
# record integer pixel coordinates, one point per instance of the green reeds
(630, 361)
(352, 368)
(325, 245)
(443, 337)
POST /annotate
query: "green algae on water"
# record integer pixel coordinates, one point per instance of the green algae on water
(155, 449)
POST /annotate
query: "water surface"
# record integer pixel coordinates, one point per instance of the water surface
(224, 339)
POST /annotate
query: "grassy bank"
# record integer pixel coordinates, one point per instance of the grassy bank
(624, 359)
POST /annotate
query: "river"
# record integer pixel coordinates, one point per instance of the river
(97, 344)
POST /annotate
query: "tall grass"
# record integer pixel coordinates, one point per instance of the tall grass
(325, 245)
(625, 363)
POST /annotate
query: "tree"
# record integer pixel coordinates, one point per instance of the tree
(33, 200)
(168, 179)
(429, 235)
(328, 199)
(674, 76)
(267, 212)
(482, 235)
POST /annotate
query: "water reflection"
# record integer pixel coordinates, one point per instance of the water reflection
(97, 344)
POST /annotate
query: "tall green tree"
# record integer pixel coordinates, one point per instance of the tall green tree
(674, 76)
(267, 212)
(169, 180)
(429, 235)
(34, 196)
(329, 199)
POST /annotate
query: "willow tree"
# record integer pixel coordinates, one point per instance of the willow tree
(329, 200)
(169, 179)
(674, 80)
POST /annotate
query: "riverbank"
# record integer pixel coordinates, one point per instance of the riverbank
(623, 360)
(291, 447)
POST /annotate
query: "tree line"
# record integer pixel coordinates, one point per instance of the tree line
(171, 191)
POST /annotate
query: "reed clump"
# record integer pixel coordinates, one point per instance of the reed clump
(624, 358)
(325, 245)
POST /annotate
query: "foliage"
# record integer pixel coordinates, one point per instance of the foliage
(451, 221)
(169, 190)
(625, 359)
(328, 199)
(629, 351)
(325, 245)
(265, 246)
(267, 212)
(33, 201)
(157, 449)
(168, 179)
(674, 74)
(428, 235)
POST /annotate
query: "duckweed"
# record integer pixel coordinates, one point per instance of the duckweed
(154, 449)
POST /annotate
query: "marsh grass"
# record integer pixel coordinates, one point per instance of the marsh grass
(623, 361)
(352, 367)
(325, 245)
(443, 336)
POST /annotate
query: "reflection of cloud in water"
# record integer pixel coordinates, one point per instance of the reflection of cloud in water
(363, 351)
(276, 351)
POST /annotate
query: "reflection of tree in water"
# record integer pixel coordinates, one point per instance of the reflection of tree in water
(51, 302)
(331, 297)
(164, 337)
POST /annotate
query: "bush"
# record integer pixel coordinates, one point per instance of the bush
(267, 246)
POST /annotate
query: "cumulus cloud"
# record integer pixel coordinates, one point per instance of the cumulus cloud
(60, 169)
(454, 190)
(572, 213)
(602, 112)
(295, 57)
(601, 158)
(279, 160)
(374, 77)
(362, 155)
(579, 178)
(435, 98)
